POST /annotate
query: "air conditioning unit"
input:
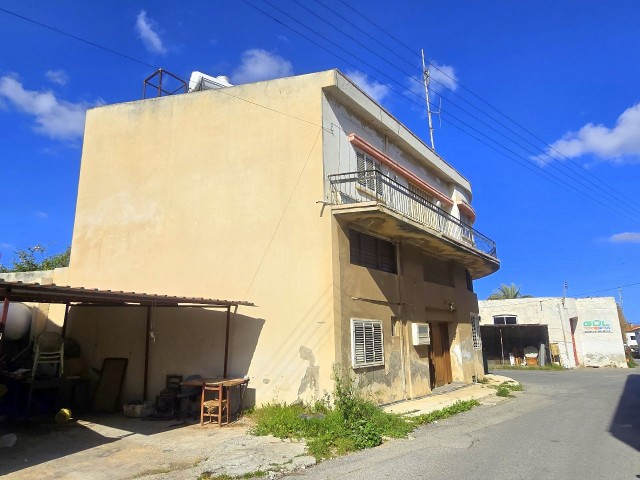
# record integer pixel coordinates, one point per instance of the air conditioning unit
(420, 334)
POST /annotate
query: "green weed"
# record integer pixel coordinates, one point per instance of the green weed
(503, 392)
(549, 366)
(351, 423)
(224, 476)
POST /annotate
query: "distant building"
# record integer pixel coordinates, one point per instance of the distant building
(632, 335)
(575, 332)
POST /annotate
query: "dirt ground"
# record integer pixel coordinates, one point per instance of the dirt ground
(113, 447)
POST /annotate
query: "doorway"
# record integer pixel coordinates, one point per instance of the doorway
(440, 357)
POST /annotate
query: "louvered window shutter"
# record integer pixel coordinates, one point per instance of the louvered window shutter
(367, 343)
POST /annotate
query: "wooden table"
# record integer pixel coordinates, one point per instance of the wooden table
(227, 383)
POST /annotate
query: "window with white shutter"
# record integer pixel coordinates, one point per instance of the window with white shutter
(366, 343)
(368, 169)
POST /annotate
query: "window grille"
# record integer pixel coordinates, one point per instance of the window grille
(366, 343)
(475, 331)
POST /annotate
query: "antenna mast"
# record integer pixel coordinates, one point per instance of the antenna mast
(426, 78)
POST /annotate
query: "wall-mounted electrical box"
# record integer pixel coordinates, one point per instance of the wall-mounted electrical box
(420, 334)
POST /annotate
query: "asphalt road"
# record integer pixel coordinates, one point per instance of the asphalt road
(576, 424)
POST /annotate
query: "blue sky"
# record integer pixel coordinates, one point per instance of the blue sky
(567, 72)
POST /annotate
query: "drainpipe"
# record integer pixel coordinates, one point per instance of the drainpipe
(401, 316)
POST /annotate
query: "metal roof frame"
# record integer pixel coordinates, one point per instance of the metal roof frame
(80, 296)
(39, 293)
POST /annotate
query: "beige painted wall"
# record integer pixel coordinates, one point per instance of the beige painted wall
(209, 195)
(371, 294)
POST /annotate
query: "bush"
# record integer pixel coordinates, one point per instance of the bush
(351, 423)
(503, 391)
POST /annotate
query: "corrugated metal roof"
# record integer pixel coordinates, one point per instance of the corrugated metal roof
(39, 293)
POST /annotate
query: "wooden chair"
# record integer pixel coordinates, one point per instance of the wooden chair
(214, 403)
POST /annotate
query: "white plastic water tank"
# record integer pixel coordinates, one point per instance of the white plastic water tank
(201, 81)
(18, 321)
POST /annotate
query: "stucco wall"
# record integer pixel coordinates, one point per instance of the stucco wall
(407, 298)
(208, 195)
(340, 157)
(598, 333)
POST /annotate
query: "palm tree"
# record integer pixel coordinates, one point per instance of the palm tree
(505, 292)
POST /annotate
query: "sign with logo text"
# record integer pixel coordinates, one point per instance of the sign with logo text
(596, 326)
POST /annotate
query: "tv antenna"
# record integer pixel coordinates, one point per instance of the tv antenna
(426, 78)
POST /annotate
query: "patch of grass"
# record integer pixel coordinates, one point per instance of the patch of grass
(458, 407)
(224, 476)
(505, 388)
(549, 366)
(351, 423)
(503, 392)
(513, 386)
(631, 363)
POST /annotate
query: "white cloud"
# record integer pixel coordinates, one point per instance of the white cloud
(54, 118)
(376, 90)
(259, 65)
(57, 76)
(42, 215)
(619, 144)
(443, 77)
(147, 31)
(626, 237)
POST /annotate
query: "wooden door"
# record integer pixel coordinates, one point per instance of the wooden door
(440, 357)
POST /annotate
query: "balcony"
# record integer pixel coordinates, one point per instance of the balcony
(382, 205)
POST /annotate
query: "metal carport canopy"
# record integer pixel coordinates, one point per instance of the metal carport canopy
(39, 293)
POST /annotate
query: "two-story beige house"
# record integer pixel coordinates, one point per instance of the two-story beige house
(302, 195)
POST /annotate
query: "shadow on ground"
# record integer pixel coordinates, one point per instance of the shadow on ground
(625, 425)
(40, 442)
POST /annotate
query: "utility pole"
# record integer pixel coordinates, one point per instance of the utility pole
(426, 78)
(565, 287)
(620, 296)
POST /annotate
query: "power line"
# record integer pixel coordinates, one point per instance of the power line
(612, 207)
(83, 40)
(539, 300)
(598, 190)
(455, 80)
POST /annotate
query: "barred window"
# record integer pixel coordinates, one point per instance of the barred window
(475, 331)
(366, 343)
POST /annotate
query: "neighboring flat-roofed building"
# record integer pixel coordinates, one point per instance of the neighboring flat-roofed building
(575, 331)
(304, 196)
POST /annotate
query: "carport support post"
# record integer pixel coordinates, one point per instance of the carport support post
(226, 341)
(64, 322)
(501, 345)
(5, 312)
(146, 355)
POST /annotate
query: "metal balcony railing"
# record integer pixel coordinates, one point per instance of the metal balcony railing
(373, 185)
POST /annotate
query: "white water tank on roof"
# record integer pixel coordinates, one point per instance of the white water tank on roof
(18, 321)
(201, 81)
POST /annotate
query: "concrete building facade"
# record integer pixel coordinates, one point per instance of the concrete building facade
(302, 195)
(585, 330)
